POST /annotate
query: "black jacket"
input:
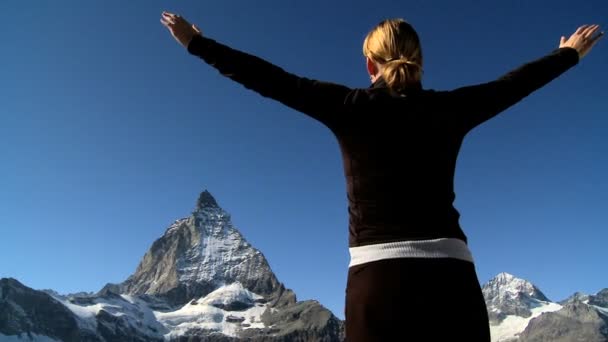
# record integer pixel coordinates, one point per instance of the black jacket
(399, 152)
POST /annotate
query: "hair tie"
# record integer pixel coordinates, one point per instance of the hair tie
(403, 59)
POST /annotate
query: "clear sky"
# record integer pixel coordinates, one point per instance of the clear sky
(109, 130)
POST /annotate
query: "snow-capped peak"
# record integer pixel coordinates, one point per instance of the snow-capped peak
(512, 302)
(507, 295)
(576, 297)
(504, 276)
(198, 254)
(506, 284)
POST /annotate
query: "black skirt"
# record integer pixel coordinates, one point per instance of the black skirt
(415, 299)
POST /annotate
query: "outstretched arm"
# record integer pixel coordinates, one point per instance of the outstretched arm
(477, 103)
(321, 100)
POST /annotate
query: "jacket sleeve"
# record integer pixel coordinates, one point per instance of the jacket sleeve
(472, 105)
(323, 101)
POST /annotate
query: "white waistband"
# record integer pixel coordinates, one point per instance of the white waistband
(437, 248)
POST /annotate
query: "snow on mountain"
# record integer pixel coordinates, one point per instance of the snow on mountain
(133, 313)
(602, 310)
(233, 295)
(27, 314)
(513, 325)
(220, 253)
(577, 296)
(227, 310)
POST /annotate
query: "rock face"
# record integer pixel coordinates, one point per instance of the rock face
(29, 313)
(600, 299)
(200, 281)
(519, 311)
(576, 321)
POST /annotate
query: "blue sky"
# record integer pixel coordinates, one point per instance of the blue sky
(109, 130)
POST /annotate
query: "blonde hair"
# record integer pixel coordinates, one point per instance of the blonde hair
(395, 45)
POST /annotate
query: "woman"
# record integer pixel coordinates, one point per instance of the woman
(411, 275)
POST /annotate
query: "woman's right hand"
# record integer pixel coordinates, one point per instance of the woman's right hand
(180, 28)
(582, 40)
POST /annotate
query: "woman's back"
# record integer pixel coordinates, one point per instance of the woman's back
(399, 155)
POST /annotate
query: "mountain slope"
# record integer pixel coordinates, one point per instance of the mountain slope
(200, 281)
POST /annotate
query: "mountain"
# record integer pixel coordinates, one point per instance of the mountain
(200, 253)
(507, 295)
(200, 281)
(519, 311)
(37, 315)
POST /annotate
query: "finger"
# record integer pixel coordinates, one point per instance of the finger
(169, 20)
(592, 38)
(198, 30)
(562, 40)
(580, 29)
(175, 19)
(589, 31)
(165, 22)
(170, 16)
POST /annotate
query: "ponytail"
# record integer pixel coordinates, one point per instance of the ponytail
(401, 73)
(394, 44)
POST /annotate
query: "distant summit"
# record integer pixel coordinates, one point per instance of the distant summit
(206, 201)
(506, 285)
(507, 295)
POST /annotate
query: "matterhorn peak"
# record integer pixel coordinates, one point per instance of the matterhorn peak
(206, 201)
(199, 254)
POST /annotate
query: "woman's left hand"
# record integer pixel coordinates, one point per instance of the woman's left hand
(180, 29)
